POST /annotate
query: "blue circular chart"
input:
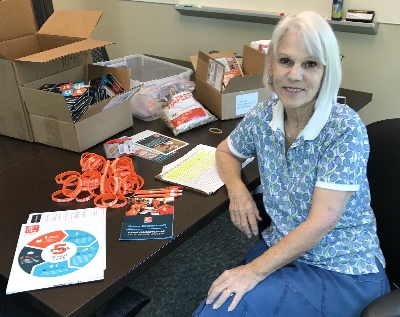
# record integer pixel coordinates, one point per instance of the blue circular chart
(58, 253)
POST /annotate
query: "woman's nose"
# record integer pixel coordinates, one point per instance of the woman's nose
(296, 72)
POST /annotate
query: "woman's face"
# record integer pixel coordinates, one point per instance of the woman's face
(297, 76)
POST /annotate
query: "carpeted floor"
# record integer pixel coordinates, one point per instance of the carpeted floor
(178, 283)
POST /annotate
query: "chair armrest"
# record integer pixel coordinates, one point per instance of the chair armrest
(387, 305)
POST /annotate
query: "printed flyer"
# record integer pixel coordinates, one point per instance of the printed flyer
(149, 218)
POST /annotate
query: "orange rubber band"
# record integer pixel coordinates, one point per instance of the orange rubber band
(103, 198)
(60, 200)
(109, 183)
(72, 180)
(123, 202)
(60, 178)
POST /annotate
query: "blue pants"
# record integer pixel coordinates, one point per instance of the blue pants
(300, 290)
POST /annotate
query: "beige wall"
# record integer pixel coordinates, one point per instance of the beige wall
(371, 62)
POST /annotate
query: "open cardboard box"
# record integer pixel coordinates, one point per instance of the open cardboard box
(240, 94)
(51, 120)
(26, 55)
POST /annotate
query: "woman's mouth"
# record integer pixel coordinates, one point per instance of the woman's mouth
(293, 89)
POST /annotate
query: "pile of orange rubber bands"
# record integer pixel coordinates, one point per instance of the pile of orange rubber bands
(109, 183)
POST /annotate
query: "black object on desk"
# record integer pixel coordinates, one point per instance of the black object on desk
(27, 172)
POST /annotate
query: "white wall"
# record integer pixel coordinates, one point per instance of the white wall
(371, 62)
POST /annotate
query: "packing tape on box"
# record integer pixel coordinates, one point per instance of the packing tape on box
(19, 123)
(53, 133)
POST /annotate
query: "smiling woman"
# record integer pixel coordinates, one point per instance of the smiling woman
(312, 154)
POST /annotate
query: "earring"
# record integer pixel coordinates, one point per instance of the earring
(270, 80)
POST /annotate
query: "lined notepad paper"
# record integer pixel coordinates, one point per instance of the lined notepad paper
(197, 169)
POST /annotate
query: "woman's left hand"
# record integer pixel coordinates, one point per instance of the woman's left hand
(235, 282)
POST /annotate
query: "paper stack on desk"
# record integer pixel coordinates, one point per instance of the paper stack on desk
(197, 170)
(59, 248)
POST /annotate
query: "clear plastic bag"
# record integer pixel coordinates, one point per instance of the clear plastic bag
(179, 109)
(144, 107)
(165, 90)
(146, 101)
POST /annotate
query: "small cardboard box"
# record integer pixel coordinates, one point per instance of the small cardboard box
(51, 120)
(26, 55)
(240, 94)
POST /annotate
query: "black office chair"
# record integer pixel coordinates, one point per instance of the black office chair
(384, 178)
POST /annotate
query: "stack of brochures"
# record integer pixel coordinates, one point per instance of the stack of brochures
(80, 95)
(59, 248)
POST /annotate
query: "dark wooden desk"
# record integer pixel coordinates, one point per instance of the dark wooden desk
(27, 172)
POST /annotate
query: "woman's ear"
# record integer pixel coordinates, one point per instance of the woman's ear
(269, 60)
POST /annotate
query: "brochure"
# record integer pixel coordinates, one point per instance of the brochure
(159, 143)
(147, 144)
(52, 253)
(148, 219)
(232, 68)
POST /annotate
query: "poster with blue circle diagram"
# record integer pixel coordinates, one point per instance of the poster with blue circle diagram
(58, 253)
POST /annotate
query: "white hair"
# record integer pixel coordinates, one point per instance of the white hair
(320, 42)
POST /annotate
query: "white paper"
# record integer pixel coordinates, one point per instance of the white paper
(55, 253)
(215, 74)
(246, 102)
(197, 169)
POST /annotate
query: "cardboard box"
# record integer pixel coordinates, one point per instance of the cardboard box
(26, 55)
(240, 94)
(51, 120)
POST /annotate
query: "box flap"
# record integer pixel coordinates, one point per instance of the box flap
(58, 52)
(244, 83)
(194, 58)
(71, 23)
(253, 61)
(16, 19)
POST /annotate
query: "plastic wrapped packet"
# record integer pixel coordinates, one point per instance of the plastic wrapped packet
(146, 101)
(144, 107)
(184, 113)
(261, 45)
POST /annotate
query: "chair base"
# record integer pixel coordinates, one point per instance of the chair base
(126, 303)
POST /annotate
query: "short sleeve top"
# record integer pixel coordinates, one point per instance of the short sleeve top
(330, 152)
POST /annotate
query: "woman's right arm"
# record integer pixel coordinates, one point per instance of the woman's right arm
(242, 208)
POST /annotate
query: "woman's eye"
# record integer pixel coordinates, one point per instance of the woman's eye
(285, 61)
(310, 64)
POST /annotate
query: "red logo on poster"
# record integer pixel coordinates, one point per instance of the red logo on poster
(31, 229)
(148, 219)
(59, 248)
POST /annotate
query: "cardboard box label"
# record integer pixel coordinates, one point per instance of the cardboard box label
(75, 59)
(215, 74)
(246, 102)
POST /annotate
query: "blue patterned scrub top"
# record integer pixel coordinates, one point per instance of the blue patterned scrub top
(330, 152)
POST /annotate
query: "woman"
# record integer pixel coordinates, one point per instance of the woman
(320, 256)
